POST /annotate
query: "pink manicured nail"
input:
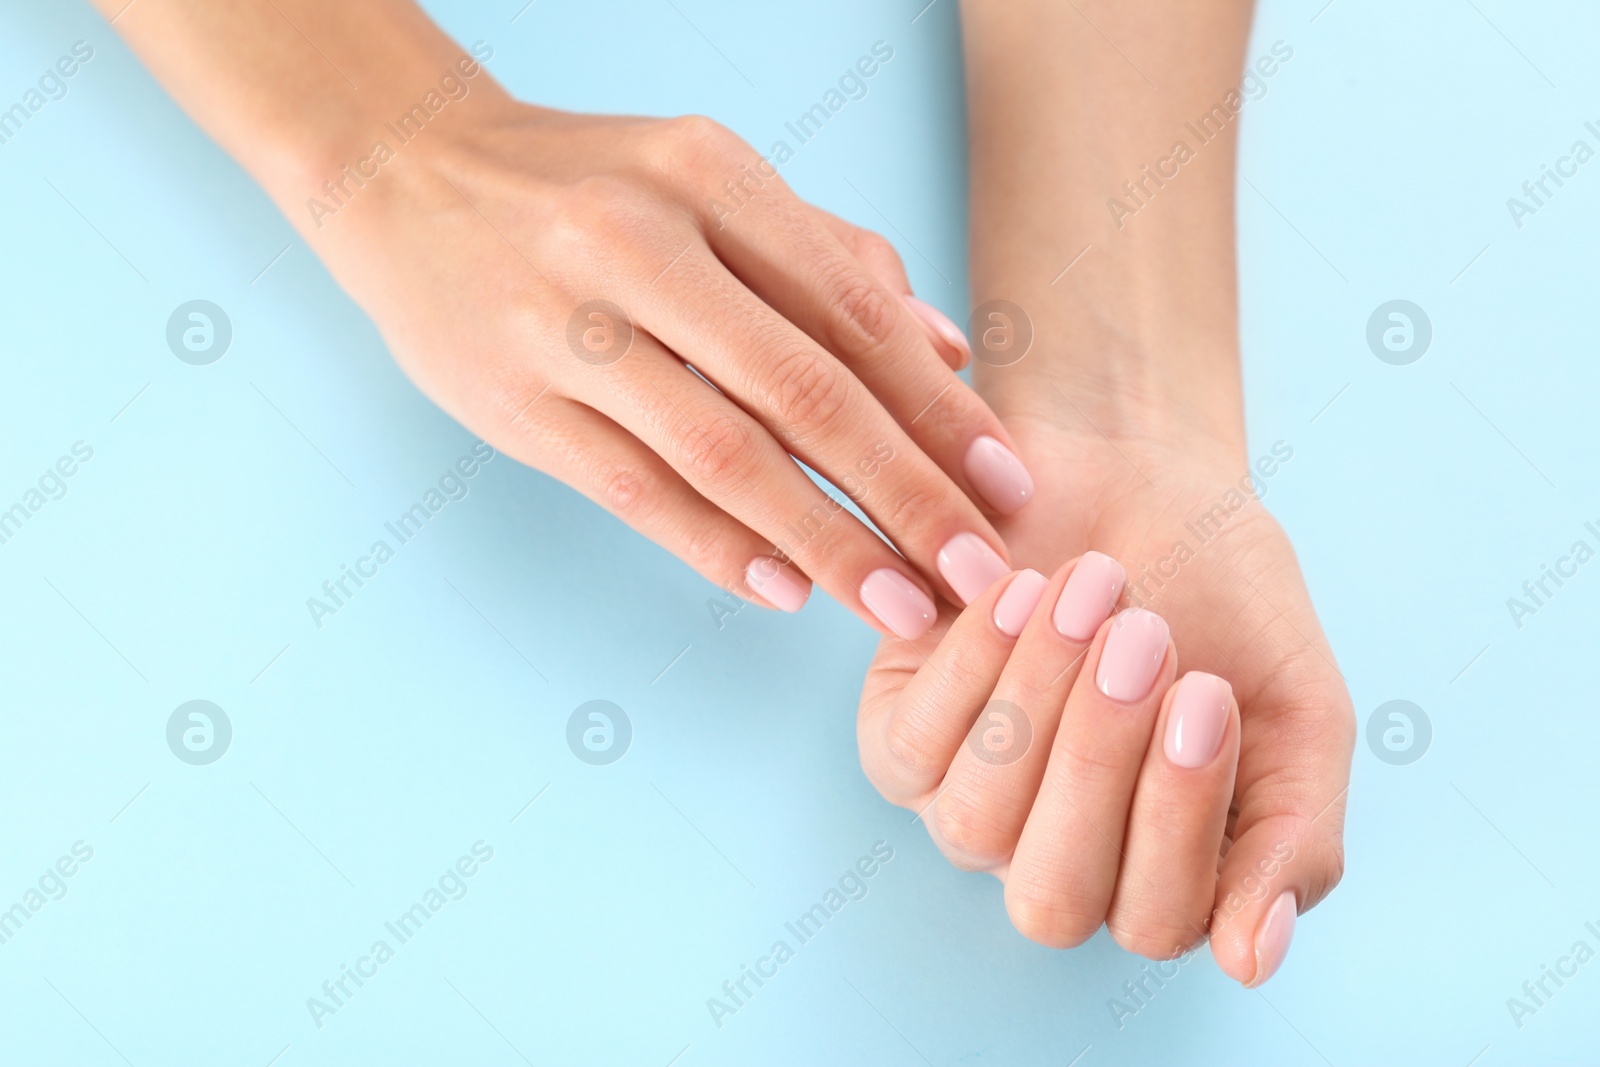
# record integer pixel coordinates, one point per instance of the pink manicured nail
(777, 584)
(970, 566)
(941, 326)
(1015, 606)
(1273, 936)
(1088, 597)
(898, 603)
(1198, 719)
(1132, 655)
(998, 474)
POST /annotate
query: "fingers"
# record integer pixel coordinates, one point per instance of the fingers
(610, 466)
(810, 280)
(730, 460)
(826, 416)
(1168, 880)
(883, 263)
(984, 801)
(1062, 876)
(1288, 847)
(907, 744)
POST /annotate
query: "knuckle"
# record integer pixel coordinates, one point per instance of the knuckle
(970, 826)
(1154, 938)
(1333, 867)
(627, 494)
(864, 315)
(805, 393)
(907, 745)
(691, 144)
(508, 400)
(872, 247)
(713, 453)
(1075, 771)
(704, 548)
(962, 669)
(596, 207)
(911, 507)
(1049, 916)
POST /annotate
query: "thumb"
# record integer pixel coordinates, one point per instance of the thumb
(1288, 841)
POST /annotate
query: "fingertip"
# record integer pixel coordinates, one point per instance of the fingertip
(780, 584)
(948, 339)
(898, 603)
(998, 474)
(1016, 605)
(1273, 934)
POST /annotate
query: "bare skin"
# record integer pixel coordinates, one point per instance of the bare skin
(480, 233)
(475, 242)
(1129, 408)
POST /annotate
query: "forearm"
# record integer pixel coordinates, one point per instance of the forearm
(296, 90)
(1076, 159)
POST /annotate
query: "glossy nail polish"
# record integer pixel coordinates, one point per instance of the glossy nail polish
(777, 584)
(941, 327)
(1015, 606)
(1197, 719)
(898, 603)
(970, 566)
(1089, 596)
(998, 475)
(1132, 655)
(1273, 937)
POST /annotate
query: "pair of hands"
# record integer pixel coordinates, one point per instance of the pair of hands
(741, 327)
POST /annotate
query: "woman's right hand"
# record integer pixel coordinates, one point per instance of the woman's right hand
(567, 285)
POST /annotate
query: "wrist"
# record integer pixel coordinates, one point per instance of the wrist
(1133, 381)
(340, 154)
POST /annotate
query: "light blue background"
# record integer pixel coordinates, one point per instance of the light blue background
(370, 754)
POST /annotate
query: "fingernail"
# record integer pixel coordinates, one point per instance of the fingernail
(1273, 936)
(1089, 596)
(1198, 719)
(1132, 655)
(898, 603)
(777, 584)
(940, 325)
(970, 566)
(998, 474)
(1015, 606)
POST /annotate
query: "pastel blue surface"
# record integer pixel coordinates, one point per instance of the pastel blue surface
(429, 714)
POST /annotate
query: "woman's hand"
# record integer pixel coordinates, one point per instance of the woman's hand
(1177, 507)
(547, 276)
(1049, 744)
(639, 307)
(1129, 402)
